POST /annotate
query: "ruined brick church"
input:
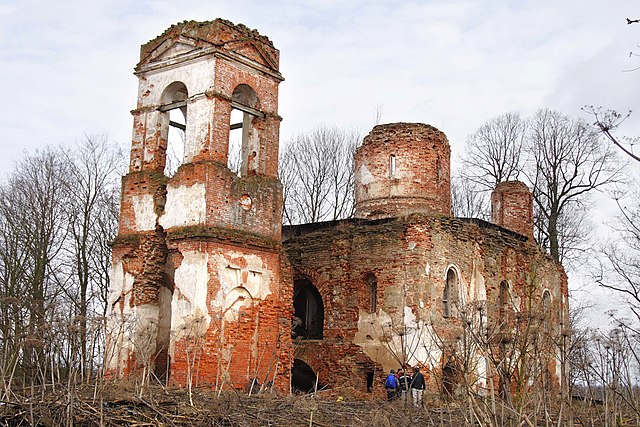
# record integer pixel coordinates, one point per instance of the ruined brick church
(208, 287)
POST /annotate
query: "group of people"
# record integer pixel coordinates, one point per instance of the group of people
(399, 384)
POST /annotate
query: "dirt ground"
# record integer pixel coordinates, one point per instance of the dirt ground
(119, 405)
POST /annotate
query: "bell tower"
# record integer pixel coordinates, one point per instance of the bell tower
(197, 263)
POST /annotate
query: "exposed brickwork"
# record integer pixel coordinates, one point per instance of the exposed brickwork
(200, 282)
(219, 33)
(202, 285)
(512, 207)
(420, 182)
(431, 270)
(410, 257)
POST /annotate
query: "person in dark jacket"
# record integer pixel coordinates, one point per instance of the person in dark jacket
(404, 381)
(417, 387)
(391, 384)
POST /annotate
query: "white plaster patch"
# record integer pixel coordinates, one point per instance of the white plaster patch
(419, 337)
(427, 269)
(481, 371)
(198, 116)
(384, 342)
(131, 331)
(121, 284)
(236, 299)
(184, 206)
(198, 79)
(189, 314)
(119, 345)
(477, 288)
(365, 175)
(144, 212)
(253, 277)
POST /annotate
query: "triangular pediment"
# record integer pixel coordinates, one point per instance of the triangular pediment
(180, 46)
(171, 48)
(252, 51)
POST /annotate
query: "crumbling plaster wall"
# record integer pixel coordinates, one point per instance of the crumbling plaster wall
(198, 268)
(232, 321)
(200, 107)
(410, 258)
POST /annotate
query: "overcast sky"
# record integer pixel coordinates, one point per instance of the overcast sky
(66, 66)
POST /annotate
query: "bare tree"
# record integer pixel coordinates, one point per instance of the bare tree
(607, 122)
(566, 163)
(494, 151)
(467, 200)
(94, 166)
(58, 212)
(33, 234)
(559, 157)
(316, 170)
(621, 271)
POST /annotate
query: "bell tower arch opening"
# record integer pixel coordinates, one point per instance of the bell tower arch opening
(174, 125)
(244, 151)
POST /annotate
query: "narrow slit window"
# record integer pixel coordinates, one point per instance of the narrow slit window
(373, 293)
(448, 294)
(504, 303)
(392, 165)
(546, 309)
(546, 302)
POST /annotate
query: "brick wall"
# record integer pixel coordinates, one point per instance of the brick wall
(410, 258)
(512, 207)
(200, 281)
(420, 181)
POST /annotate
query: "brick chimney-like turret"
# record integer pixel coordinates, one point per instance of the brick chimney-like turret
(512, 207)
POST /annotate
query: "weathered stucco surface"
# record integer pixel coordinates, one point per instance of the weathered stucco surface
(201, 275)
(198, 273)
(186, 205)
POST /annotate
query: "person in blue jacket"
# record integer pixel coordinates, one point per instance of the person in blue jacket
(391, 384)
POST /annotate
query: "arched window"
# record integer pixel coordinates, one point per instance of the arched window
(309, 309)
(546, 303)
(372, 293)
(449, 294)
(546, 308)
(504, 303)
(303, 378)
(244, 148)
(174, 107)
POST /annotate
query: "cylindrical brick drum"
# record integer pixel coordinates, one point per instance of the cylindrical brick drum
(402, 168)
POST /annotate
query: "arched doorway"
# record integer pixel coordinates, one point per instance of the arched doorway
(308, 307)
(304, 379)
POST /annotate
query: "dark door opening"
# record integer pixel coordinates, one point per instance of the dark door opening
(308, 307)
(303, 378)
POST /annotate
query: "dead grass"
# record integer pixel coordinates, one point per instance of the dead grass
(120, 405)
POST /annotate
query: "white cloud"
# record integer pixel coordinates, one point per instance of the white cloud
(67, 65)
